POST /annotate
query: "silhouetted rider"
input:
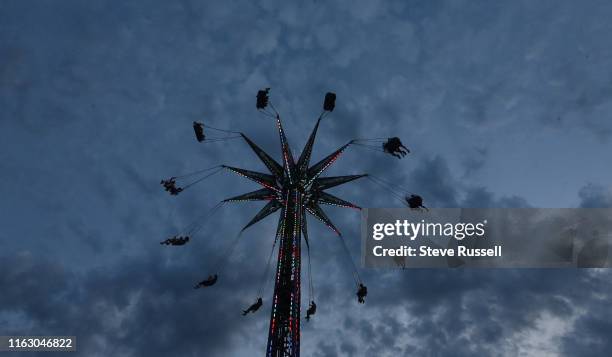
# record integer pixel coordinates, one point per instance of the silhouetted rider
(362, 292)
(176, 241)
(253, 307)
(312, 309)
(394, 147)
(198, 128)
(415, 202)
(262, 98)
(169, 183)
(170, 186)
(212, 279)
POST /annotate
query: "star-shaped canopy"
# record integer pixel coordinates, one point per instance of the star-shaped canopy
(294, 175)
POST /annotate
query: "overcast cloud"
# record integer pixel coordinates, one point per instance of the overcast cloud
(503, 104)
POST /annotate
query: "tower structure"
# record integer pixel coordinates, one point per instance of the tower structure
(296, 189)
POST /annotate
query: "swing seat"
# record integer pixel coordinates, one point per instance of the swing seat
(330, 102)
(198, 129)
(262, 98)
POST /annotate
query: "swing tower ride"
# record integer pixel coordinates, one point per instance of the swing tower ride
(294, 188)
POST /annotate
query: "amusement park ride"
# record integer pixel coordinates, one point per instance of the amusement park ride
(294, 188)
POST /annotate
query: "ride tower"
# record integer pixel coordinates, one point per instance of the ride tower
(284, 330)
(295, 188)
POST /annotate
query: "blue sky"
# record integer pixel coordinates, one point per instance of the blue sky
(503, 104)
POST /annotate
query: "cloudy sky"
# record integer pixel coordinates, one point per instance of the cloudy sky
(503, 104)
